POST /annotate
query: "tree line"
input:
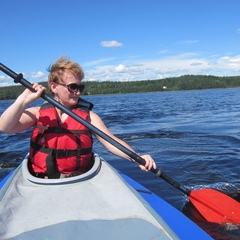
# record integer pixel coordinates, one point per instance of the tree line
(186, 82)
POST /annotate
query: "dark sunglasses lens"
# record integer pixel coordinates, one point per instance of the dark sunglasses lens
(74, 87)
(82, 88)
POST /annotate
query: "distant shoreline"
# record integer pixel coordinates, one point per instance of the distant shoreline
(186, 82)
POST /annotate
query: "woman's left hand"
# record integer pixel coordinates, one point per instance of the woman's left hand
(150, 163)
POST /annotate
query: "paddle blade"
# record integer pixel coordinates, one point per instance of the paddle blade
(215, 206)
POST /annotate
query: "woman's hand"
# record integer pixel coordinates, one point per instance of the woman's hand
(150, 163)
(30, 96)
(17, 117)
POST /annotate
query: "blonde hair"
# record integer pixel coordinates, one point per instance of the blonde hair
(63, 64)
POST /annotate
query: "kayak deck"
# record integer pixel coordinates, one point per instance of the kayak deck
(95, 205)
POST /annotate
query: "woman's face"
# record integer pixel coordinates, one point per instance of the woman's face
(60, 90)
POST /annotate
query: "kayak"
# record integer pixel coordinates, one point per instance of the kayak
(102, 203)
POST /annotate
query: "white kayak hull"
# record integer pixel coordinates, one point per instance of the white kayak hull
(99, 204)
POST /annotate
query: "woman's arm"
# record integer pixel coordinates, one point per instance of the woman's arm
(18, 117)
(98, 123)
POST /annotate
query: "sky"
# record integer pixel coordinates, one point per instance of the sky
(121, 40)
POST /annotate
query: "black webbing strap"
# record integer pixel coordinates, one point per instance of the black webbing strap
(60, 152)
(61, 130)
(52, 171)
(78, 155)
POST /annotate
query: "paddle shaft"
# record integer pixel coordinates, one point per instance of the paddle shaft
(18, 78)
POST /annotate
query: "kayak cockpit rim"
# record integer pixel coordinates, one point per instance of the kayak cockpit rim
(43, 181)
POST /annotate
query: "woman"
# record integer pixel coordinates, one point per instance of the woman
(59, 144)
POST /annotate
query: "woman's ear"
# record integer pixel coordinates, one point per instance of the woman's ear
(53, 87)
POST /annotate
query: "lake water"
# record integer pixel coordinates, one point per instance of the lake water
(193, 135)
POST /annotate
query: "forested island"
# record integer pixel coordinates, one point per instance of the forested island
(186, 82)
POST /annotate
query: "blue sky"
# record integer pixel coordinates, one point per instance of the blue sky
(121, 40)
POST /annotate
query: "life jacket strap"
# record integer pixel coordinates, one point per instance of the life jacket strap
(52, 154)
(60, 152)
(52, 171)
(58, 129)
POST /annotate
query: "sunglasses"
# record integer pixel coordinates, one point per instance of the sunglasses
(73, 87)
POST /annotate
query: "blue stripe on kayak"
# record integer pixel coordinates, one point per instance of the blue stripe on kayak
(177, 221)
(4, 180)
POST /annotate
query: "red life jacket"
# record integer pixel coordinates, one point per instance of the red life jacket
(60, 148)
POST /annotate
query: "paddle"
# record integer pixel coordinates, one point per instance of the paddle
(213, 205)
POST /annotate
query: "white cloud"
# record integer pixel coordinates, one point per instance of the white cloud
(110, 44)
(120, 68)
(33, 77)
(236, 59)
(138, 68)
(5, 78)
(189, 41)
(172, 66)
(164, 51)
(195, 63)
(227, 62)
(5, 81)
(99, 61)
(38, 74)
